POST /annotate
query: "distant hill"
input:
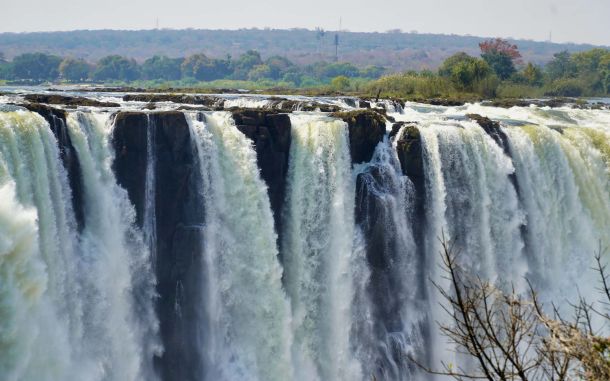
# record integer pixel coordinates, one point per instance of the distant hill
(394, 50)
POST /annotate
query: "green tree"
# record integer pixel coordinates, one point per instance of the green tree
(203, 68)
(36, 66)
(260, 72)
(340, 83)
(115, 67)
(162, 67)
(561, 66)
(74, 70)
(464, 71)
(245, 63)
(532, 74)
(372, 72)
(278, 66)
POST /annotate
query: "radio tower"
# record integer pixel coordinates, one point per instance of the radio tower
(337, 42)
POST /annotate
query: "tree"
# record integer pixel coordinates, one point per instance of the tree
(115, 67)
(260, 72)
(203, 68)
(340, 83)
(245, 63)
(162, 67)
(501, 56)
(36, 66)
(464, 71)
(532, 74)
(561, 66)
(279, 66)
(2, 58)
(74, 70)
(510, 336)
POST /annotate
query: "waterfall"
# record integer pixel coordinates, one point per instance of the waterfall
(384, 210)
(150, 215)
(342, 291)
(246, 334)
(83, 320)
(318, 248)
(564, 191)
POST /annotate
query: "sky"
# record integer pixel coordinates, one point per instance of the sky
(582, 21)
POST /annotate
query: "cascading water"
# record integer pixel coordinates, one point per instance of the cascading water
(319, 256)
(384, 209)
(246, 329)
(345, 295)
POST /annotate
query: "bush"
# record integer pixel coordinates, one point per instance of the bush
(565, 88)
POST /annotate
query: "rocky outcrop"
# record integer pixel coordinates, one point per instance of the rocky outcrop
(57, 122)
(210, 102)
(179, 217)
(410, 155)
(492, 128)
(270, 130)
(55, 99)
(366, 130)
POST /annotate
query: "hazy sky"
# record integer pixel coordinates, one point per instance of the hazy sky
(569, 20)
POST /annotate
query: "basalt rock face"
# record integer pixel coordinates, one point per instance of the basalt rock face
(179, 217)
(410, 155)
(270, 132)
(492, 128)
(366, 130)
(57, 122)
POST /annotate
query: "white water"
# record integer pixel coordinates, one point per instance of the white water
(70, 299)
(400, 333)
(318, 248)
(247, 336)
(79, 305)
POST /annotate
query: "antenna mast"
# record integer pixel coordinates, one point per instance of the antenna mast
(337, 42)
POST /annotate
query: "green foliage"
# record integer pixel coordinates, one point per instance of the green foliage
(464, 71)
(203, 68)
(245, 63)
(518, 91)
(74, 70)
(566, 87)
(412, 85)
(162, 68)
(561, 66)
(372, 72)
(340, 83)
(260, 72)
(501, 63)
(532, 75)
(278, 66)
(36, 66)
(116, 68)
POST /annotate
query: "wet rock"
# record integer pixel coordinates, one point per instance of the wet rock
(57, 122)
(179, 213)
(204, 100)
(366, 130)
(492, 128)
(68, 101)
(270, 131)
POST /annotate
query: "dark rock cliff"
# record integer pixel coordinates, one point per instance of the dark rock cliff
(179, 217)
(271, 133)
(57, 122)
(366, 130)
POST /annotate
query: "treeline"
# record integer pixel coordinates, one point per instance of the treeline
(500, 72)
(250, 66)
